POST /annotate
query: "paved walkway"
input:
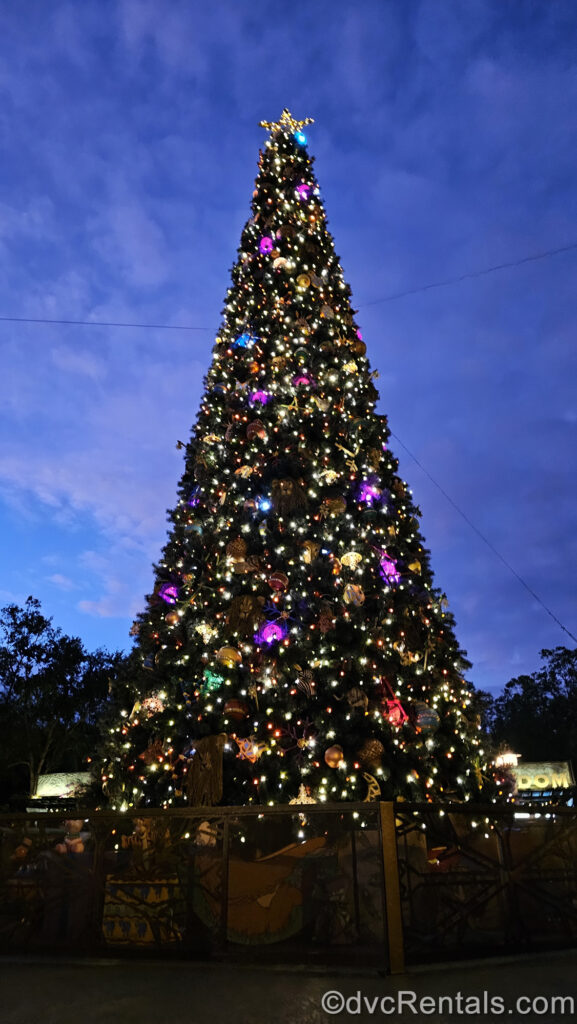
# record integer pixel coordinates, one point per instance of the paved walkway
(120, 992)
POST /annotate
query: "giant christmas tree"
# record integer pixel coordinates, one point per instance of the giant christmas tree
(294, 642)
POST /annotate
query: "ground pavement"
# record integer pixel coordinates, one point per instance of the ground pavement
(121, 992)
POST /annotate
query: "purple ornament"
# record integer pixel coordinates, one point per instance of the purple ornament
(303, 379)
(259, 396)
(194, 498)
(369, 492)
(359, 336)
(266, 245)
(168, 592)
(389, 572)
(271, 633)
(303, 192)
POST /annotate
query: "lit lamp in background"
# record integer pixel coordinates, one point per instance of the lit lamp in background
(507, 759)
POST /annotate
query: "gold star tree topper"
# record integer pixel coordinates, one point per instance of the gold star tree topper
(286, 123)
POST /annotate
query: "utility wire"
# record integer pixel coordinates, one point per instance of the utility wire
(474, 273)
(483, 538)
(388, 298)
(100, 323)
(374, 302)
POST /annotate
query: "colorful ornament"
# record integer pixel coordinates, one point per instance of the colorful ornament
(333, 507)
(172, 618)
(303, 282)
(310, 551)
(388, 571)
(152, 705)
(374, 790)
(249, 749)
(168, 592)
(243, 341)
(256, 429)
(301, 138)
(369, 492)
(303, 192)
(211, 681)
(271, 633)
(266, 245)
(306, 682)
(395, 713)
(288, 496)
(354, 594)
(351, 559)
(424, 718)
(235, 708)
(334, 756)
(303, 380)
(206, 631)
(236, 549)
(228, 656)
(278, 581)
(259, 397)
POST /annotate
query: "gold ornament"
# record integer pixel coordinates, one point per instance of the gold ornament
(228, 656)
(334, 755)
(351, 559)
(244, 471)
(206, 631)
(415, 566)
(374, 790)
(371, 754)
(286, 123)
(351, 367)
(236, 549)
(303, 282)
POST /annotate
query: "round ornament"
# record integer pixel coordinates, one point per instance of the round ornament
(303, 192)
(424, 718)
(266, 245)
(301, 355)
(280, 263)
(303, 282)
(236, 549)
(334, 755)
(278, 581)
(354, 594)
(228, 656)
(235, 708)
(359, 348)
(371, 754)
(172, 618)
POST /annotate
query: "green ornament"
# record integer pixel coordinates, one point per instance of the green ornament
(212, 681)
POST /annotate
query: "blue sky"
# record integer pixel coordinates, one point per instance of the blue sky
(445, 142)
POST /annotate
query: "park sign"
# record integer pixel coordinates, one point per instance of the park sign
(543, 776)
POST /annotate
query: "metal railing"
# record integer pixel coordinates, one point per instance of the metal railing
(375, 885)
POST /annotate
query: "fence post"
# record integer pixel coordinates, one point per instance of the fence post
(392, 889)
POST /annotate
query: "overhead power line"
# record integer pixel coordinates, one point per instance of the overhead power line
(484, 539)
(387, 298)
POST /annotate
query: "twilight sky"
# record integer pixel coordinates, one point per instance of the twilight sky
(445, 142)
